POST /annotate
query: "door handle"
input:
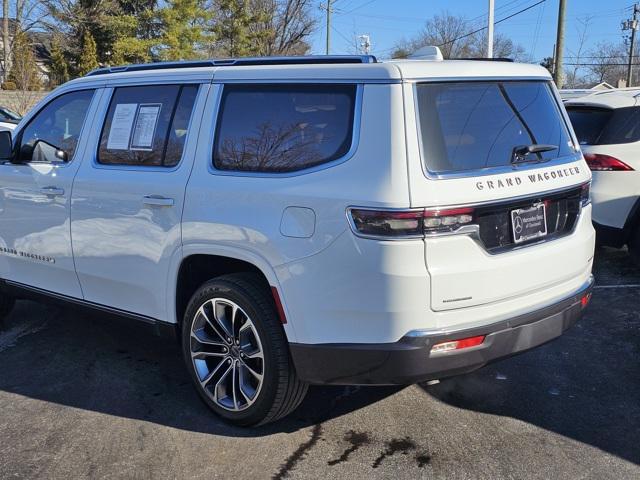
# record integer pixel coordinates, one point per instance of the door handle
(52, 191)
(157, 200)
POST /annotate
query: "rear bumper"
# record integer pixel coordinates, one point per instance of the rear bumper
(410, 360)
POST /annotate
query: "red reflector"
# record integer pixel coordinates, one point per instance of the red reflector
(584, 301)
(458, 344)
(600, 162)
(279, 308)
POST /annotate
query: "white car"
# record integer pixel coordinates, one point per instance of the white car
(607, 125)
(8, 119)
(327, 220)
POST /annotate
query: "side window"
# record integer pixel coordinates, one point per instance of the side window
(283, 128)
(147, 126)
(55, 128)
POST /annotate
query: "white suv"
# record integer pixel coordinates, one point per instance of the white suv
(607, 125)
(330, 220)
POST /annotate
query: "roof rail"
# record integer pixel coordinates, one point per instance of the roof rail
(481, 59)
(299, 60)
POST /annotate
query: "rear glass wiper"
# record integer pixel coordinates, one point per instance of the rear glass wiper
(521, 152)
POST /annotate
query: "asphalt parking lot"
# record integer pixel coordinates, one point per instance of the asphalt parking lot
(85, 398)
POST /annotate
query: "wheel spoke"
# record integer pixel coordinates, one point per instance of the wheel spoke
(234, 384)
(257, 354)
(253, 372)
(206, 347)
(213, 324)
(212, 373)
(241, 375)
(220, 314)
(222, 378)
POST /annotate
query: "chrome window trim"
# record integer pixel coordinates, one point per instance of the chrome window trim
(505, 169)
(342, 81)
(355, 139)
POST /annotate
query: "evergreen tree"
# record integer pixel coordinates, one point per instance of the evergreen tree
(88, 59)
(235, 36)
(58, 68)
(24, 72)
(182, 29)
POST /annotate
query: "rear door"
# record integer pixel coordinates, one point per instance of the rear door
(128, 195)
(495, 165)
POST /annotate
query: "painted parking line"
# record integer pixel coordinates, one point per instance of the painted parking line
(637, 285)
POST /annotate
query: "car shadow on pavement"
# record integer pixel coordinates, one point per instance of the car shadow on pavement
(116, 368)
(584, 385)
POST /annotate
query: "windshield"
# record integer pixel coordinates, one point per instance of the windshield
(475, 125)
(602, 126)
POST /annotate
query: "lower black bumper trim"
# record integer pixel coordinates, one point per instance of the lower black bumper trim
(410, 360)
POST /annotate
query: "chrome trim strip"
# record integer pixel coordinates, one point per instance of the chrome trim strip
(433, 332)
(383, 81)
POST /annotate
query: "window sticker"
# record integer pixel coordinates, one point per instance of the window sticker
(145, 126)
(120, 132)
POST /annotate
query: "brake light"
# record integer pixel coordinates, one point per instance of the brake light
(605, 163)
(457, 344)
(408, 223)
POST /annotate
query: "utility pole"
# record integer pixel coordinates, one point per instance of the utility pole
(557, 73)
(490, 30)
(365, 44)
(329, 12)
(632, 25)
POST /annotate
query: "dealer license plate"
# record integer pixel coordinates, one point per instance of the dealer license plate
(529, 223)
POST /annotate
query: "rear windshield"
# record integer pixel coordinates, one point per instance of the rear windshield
(603, 126)
(475, 125)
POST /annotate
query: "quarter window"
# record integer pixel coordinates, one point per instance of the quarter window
(147, 126)
(55, 128)
(283, 128)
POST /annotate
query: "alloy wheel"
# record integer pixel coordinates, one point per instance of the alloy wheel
(227, 354)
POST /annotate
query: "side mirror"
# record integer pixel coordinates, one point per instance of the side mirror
(43, 151)
(6, 146)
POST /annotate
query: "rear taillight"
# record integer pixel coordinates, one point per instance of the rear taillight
(408, 223)
(585, 197)
(436, 221)
(605, 163)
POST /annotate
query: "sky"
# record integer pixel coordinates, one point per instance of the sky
(388, 21)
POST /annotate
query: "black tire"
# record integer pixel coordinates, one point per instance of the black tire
(281, 391)
(634, 246)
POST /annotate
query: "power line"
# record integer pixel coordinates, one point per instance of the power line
(495, 23)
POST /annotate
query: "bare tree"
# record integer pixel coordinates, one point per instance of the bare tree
(582, 30)
(607, 63)
(458, 38)
(289, 24)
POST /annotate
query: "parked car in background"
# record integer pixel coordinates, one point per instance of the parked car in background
(8, 119)
(607, 125)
